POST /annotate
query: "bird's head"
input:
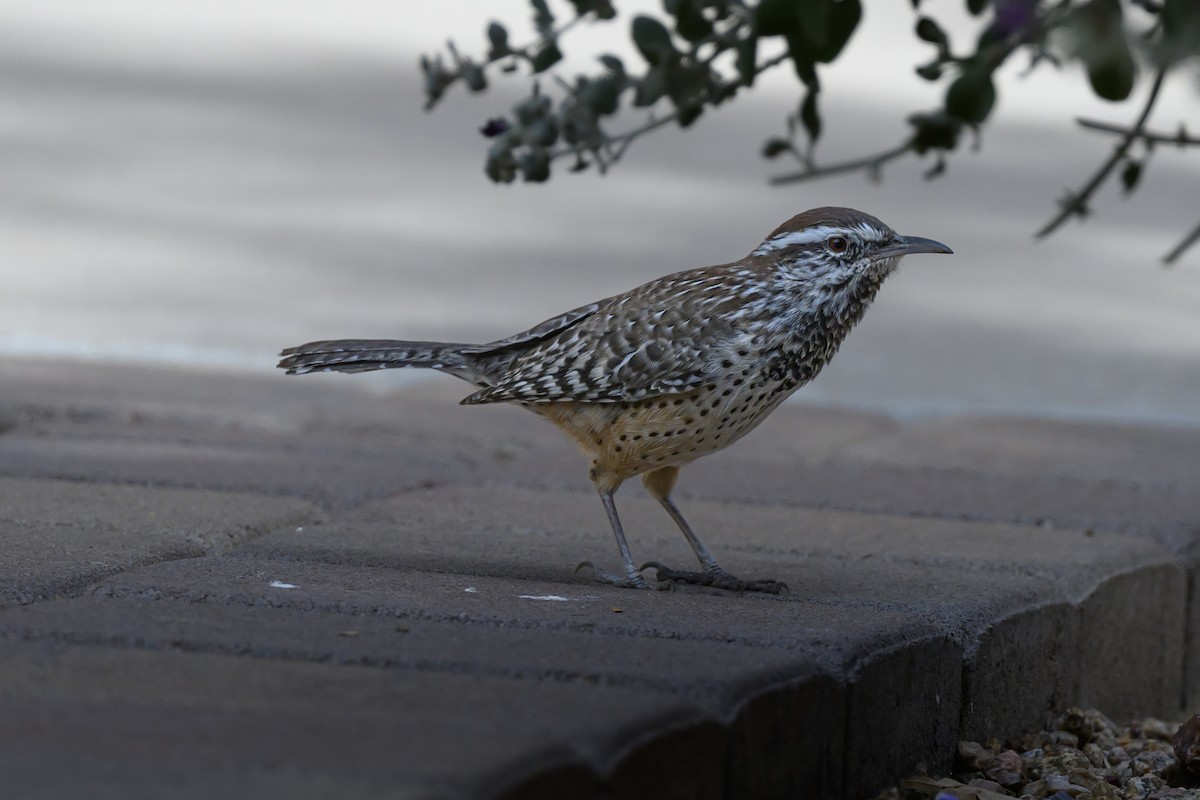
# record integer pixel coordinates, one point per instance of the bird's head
(839, 247)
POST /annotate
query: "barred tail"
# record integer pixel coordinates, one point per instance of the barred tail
(363, 355)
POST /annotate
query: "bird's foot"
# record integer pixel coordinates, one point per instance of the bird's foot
(632, 580)
(715, 577)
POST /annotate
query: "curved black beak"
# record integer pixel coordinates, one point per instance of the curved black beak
(907, 245)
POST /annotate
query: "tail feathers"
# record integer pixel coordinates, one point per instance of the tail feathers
(363, 355)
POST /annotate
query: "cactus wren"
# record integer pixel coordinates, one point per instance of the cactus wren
(650, 380)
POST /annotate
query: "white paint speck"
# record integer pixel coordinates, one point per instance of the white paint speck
(300, 530)
(553, 597)
(282, 585)
(471, 589)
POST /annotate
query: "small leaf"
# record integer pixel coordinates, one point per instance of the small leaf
(614, 64)
(603, 9)
(473, 76)
(546, 58)
(1112, 74)
(936, 131)
(498, 36)
(930, 72)
(1102, 46)
(652, 39)
(501, 167)
(1130, 175)
(810, 116)
(691, 24)
(543, 132)
(977, 7)
(776, 17)
(1181, 30)
(774, 146)
(650, 88)
(971, 96)
(687, 86)
(601, 95)
(844, 17)
(803, 62)
(814, 18)
(931, 32)
(494, 127)
(747, 59)
(689, 115)
(543, 20)
(535, 165)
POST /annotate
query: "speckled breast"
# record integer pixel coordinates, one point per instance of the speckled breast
(626, 439)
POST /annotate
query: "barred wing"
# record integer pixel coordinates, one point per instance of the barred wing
(667, 337)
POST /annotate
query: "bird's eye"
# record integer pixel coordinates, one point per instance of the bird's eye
(837, 244)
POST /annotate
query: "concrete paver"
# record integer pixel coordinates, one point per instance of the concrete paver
(1146, 456)
(966, 577)
(119, 722)
(58, 536)
(180, 614)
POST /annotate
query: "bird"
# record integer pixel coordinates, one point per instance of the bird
(647, 381)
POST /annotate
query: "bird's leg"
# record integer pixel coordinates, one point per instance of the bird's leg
(633, 576)
(659, 484)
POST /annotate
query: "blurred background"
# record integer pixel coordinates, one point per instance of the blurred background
(206, 183)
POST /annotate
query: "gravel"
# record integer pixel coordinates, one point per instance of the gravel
(1083, 755)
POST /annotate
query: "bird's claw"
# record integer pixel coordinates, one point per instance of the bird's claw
(633, 580)
(716, 578)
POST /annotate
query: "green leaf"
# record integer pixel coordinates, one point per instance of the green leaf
(687, 85)
(773, 147)
(977, 7)
(747, 59)
(535, 165)
(650, 88)
(546, 58)
(1130, 175)
(971, 96)
(689, 115)
(990, 36)
(803, 61)
(614, 64)
(844, 17)
(691, 24)
(776, 17)
(936, 131)
(603, 9)
(543, 20)
(601, 95)
(501, 166)
(498, 36)
(931, 32)
(473, 76)
(1181, 30)
(810, 117)
(543, 132)
(1112, 76)
(1103, 48)
(814, 18)
(652, 39)
(930, 72)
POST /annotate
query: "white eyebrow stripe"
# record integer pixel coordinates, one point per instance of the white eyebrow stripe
(815, 235)
(792, 238)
